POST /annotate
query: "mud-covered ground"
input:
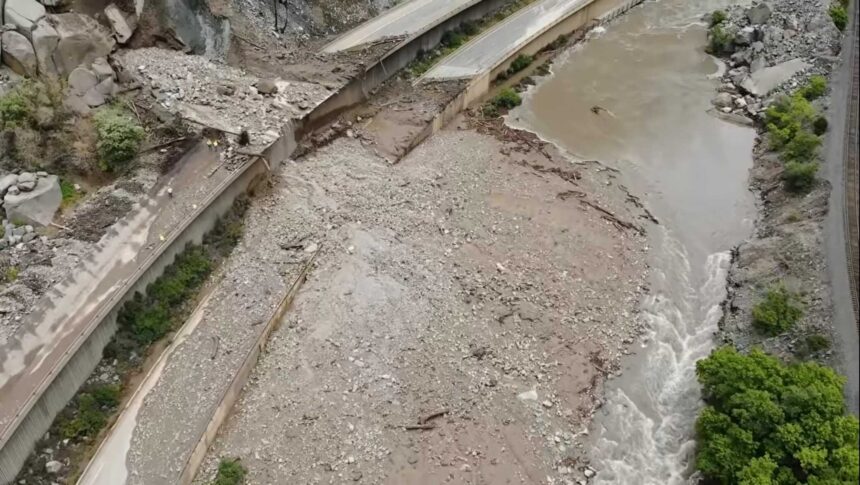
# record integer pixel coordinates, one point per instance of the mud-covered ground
(463, 312)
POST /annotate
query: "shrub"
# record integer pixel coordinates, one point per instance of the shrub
(815, 88)
(839, 16)
(148, 318)
(799, 177)
(819, 126)
(521, 62)
(506, 99)
(12, 272)
(802, 147)
(230, 472)
(817, 342)
(718, 17)
(32, 104)
(786, 117)
(720, 41)
(778, 312)
(90, 412)
(766, 422)
(118, 138)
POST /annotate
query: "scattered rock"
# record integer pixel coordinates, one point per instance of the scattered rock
(528, 395)
(53, 467)
(7, 181)
(226, 89)
(18, 54)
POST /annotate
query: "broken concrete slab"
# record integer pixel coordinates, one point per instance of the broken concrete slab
(122, 26)
(766, 79)
(45, 39)
(18, 53)
(23, 14)
(82, 40)
(36, 207)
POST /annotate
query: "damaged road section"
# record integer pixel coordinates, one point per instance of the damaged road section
(463, 314)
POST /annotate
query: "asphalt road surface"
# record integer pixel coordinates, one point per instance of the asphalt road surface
(496, 44)
(404, 19)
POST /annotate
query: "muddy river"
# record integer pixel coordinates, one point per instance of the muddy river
(649, 71)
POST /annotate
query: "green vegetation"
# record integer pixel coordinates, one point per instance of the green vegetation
(521, 62)
(721, 41)
(118, 137)
(90, 412)
(839, 14)
(794, 129)
(230, 472)
(11, 273)
(815, 88)
(70, 195)
(770, 423)
(452, 40)
(505, 100)
(718, 17)
(31, 104)
(777, 312)
(799, 177)
(149, 317)
(816, 343)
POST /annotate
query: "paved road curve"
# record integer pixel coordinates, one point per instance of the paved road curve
(496, 44)
(407, 18)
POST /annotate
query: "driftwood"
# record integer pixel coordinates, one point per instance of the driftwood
(612, 217)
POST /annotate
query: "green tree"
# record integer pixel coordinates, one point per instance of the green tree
(770, 423)
(777, 312)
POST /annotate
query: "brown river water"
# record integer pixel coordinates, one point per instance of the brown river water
(648, 69)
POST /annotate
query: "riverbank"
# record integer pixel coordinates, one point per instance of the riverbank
(792, 41)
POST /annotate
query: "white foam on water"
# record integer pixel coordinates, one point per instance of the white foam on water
(655, 445)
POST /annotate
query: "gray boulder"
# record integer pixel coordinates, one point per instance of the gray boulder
(82, 80)
(745, 36)
(23, 14)
(37, 207)
(7, 181)
(266, 86)
(82, 41)
(758, 14)
(102, 69)
(123, 27)
(758, 64)
(18, 53)
(45, 39)
(722, 100)
(766, 79)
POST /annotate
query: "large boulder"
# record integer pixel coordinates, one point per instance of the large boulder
(82, 80)
(82, 40)
(23, 14)
(123, 26)
(45, 39)
(18, 53)
(758, 14)
(36, 207)
(764, 80)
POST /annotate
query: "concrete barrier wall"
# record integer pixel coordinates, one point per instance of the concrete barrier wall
(357, 90)
(231, 394)
(478, 87)
(87, 352)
